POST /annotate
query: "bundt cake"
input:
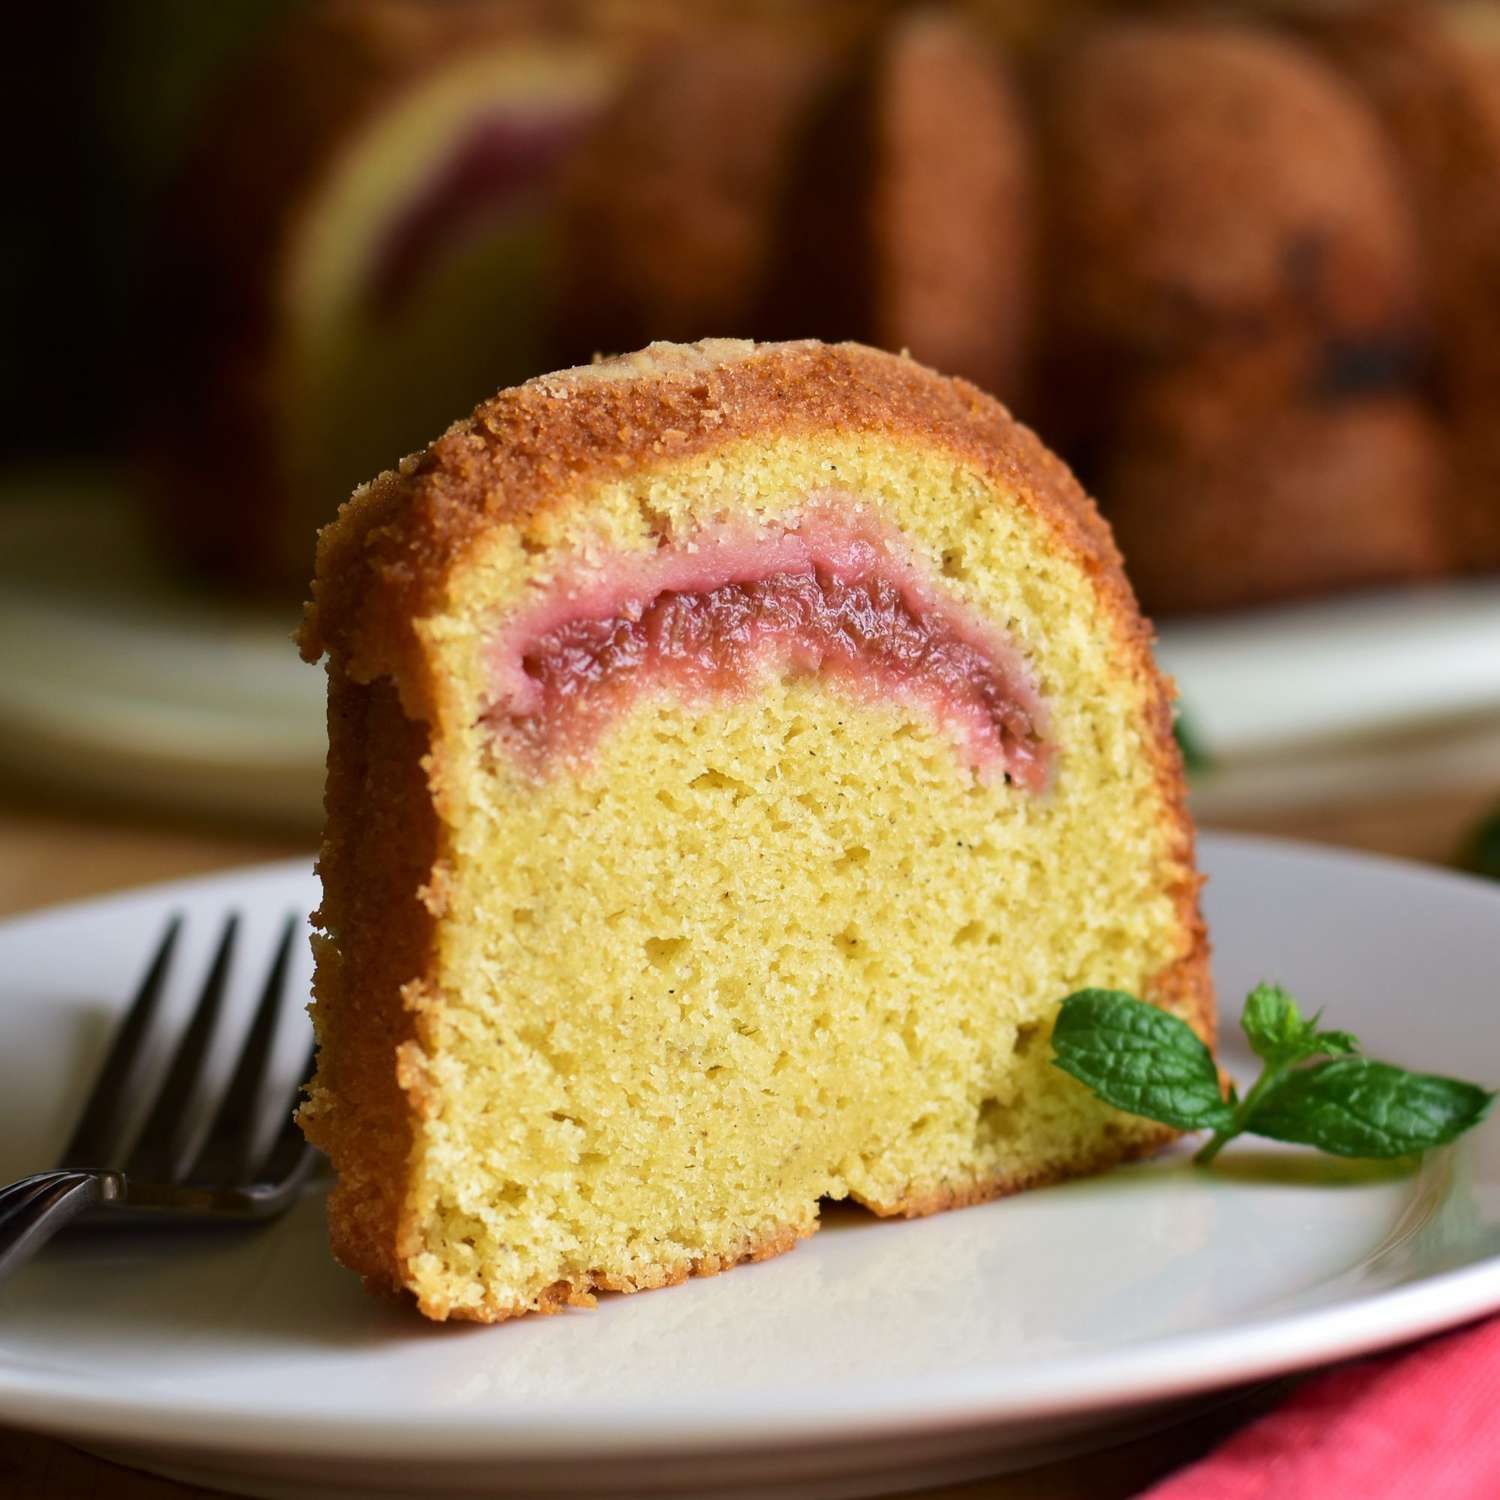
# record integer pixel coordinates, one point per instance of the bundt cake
(736, 753)
(672, 205)
(359, 246)
(1081, 205)
(910, 218)
(1234, 481)
(1240, 317)
(1433, 73)
(1211, 181)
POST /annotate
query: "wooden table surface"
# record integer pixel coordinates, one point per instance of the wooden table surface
(48, 854)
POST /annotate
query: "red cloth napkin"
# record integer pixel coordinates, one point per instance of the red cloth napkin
(1421, 1424)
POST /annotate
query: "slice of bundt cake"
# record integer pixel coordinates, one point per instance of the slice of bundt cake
(736, 753)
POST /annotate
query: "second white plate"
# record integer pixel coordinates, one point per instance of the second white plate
(115, 675)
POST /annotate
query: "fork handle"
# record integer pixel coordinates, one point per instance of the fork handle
(35, 1208)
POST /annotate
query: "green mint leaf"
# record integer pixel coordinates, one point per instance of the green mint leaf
(1139, 1059)
(1280, 1036)
(1353, 1106)
(1273, 1024)
(1147, 1062)
(1335, 1043)
(1194, 757)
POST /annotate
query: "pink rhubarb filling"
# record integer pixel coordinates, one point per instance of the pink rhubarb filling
(836, 596)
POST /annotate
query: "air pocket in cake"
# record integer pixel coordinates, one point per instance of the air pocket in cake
(736, 753)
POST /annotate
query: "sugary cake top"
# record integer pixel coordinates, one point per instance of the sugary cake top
(389, 556)
(656, 362)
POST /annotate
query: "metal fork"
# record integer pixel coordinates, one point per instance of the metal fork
(163, 1179)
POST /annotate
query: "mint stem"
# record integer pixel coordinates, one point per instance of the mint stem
(1216, 1144)
(1241, 1118)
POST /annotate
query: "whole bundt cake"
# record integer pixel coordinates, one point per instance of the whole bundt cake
(1085, 207)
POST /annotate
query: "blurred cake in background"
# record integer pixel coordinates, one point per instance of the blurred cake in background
(360, 246)
(952, 212)
(835, 174)
(1433, 73)
(1213, 183)
(911, 217)
(672, 205)
(1239, 265)
(1238, 316)
(1234, 481)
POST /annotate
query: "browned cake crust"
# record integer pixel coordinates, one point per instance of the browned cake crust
(1226, 490)
(385, 564)
(1214, 181)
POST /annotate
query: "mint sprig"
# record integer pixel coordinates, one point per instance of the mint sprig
(1314, 1090)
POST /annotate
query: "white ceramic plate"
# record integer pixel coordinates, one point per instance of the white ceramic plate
(114, 674)
(118, 676)
(1285, 677)
(875, 1357)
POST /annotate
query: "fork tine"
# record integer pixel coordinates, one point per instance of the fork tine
(160, 1148)
(226, 1154)
(290, 1147)
(97, 1134)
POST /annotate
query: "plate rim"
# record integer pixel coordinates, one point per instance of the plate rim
(1151, 1373)
(1153, 1370)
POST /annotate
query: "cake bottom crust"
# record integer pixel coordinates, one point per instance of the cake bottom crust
(564, 1294)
